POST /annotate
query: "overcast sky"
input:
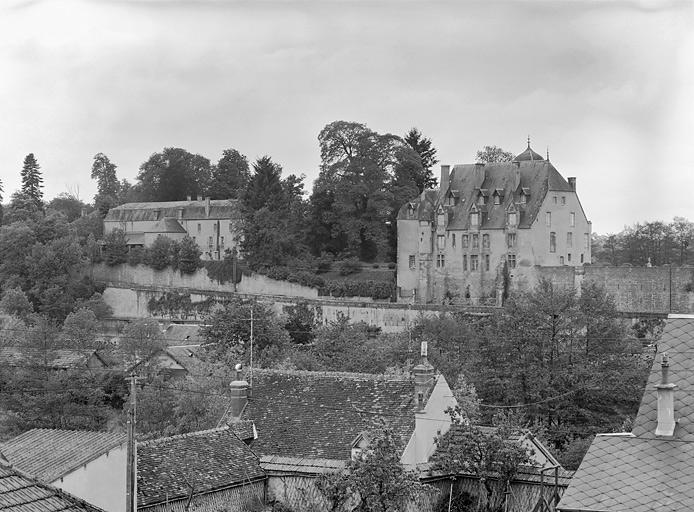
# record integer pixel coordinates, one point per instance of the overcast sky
(607, 86)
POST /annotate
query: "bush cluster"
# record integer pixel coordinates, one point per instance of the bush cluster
(373, 289)
(183, 255)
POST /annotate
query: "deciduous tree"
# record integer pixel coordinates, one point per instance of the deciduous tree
(230, 176)
(172, 175)
(493, 154)
(108, 186)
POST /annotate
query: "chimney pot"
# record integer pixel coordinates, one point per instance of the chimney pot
(666, 401)
(572, 183)
(238, 391)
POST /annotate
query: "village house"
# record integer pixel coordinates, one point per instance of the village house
(212, 470)
(213, 224)
(651, 467)
(89, 465)
(20, 492)
(488, 224)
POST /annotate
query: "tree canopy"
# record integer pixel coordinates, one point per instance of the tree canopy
(32, 180)
(172, 175)
(493, 154)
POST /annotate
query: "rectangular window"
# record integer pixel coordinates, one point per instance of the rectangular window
(194, 239)
(581, 257)
(572, 219)
(511, 261)
(465, 241)
(523, 199)
(512, 219)
(209, 242)
(475, 241)
(486, 262)
(474, 262)
(511, 240)
(561, 260)
(586, 241)
(474, 219)
(440, 261)
(548, 219)
(552, 242)
(441, 242)
(221, 242)
(453, 240)
(411, 261)
(497, 199)
(563, 199)
(568, 257)
(485, 241)
(569, 239)
(214, 227)
(555, 199)
(465, 262)
(199, 227)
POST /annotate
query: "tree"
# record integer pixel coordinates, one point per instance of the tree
(172, 175)
(493, 154)
(68, 205)
(230, 176)
(80, 329)
(264, 189)
(228, 330)
(427, 153)
(301, 322)
(108, 186)
(16, 303)
(141, 338)
(115, 247)
(375, 479)
(97, 305)
(163, 253)
(1, 207)
(188, 255)
(23, 208)
(32, 181)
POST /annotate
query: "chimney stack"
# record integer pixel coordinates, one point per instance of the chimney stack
(445, 175)
(666, 401)
(239, 396)
(199, 198)
(572, 183)
(423, 378)
(187, 198)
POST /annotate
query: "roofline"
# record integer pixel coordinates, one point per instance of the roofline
(151, 442)
(683, 316)
(348, 375)
(210, 491)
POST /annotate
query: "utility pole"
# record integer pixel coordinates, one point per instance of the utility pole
(131, 464)
(251, 365)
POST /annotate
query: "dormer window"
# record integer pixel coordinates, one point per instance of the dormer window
(512, 219)
(524, 195)
(474, 219)
(440, 218)
(498, 195)
(483, 195)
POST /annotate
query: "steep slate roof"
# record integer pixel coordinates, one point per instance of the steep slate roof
(526, 155)
(506, 179)
(639, 471)
(219, 209)
(319, 414)
(49, 454)
(209, 460)
(167, 225)
(58, 359)
(21, 493)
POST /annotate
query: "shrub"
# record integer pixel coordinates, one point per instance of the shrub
(136, 255)
(373, 289)
(391, 265)
(115, 247)
(159, 256)
(189, 256)
(324, 263)
(375, 265)
(349, 266)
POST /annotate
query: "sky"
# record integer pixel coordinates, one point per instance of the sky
(606, 86)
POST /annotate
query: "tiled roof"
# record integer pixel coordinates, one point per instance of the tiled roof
(21, 493)
(49, 454)
(678, 341)
(133, 212)
(642, 472)
(167, 225)
(319, 414)
(244, 430)
(528, 154)
(634, 474)
(183, 334)
(207, 460)
(275, 464)
(534, 178)
(57, 359)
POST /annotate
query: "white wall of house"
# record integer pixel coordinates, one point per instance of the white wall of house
(100, 482)
(429, 423)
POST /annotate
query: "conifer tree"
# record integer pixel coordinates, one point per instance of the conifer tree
(32, 181)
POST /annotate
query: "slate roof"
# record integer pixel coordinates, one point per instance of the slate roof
(58, 359)
(21, 493)
(642, 472)
(183, 334)
(244, 430)
(283, 465)
(133, 212)
(526, 155)
(534, 178)
(319, 414)
(167, 225)
(49, 454)
(209, 460)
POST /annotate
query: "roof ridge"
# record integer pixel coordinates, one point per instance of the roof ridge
(350, 375)
(197, 433)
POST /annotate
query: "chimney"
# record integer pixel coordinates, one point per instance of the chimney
(423, 378)
(666, 401)
(239, 396)
(207, 207)
(199, 198)
(445, 171)
(157, 213)
(572, 183)
(187, 198)
(180, 213)
(83, 211)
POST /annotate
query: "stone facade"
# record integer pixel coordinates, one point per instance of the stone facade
(462, 242)
(213, 224)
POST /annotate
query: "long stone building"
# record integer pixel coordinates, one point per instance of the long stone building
(213, 224)
(486, 223)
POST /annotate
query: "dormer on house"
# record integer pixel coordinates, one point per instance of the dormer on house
(498, 195)
(524, 195)
(482, 196)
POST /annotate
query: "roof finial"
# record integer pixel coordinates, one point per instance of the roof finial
(528, 141)
(548, 153)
